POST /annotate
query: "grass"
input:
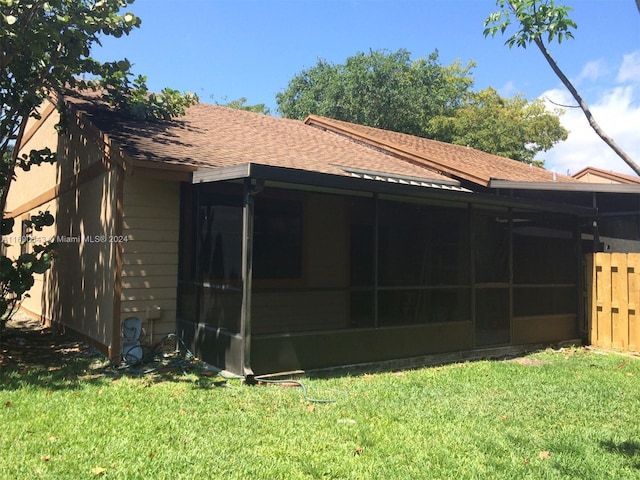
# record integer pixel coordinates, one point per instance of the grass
(567, 414)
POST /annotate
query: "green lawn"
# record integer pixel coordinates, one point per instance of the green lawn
(567, 414)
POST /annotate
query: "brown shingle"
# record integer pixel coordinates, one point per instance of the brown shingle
(455, 160)
(215, 136)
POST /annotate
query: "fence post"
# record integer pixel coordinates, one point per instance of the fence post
(592, 316)
(603, 299)
(633, 272)
(619, 301)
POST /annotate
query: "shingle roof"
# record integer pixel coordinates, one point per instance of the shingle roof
(214, 136)
(452, 160)
(211, 136)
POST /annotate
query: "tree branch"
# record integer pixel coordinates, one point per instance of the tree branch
(14, 158)
(585, 108)
(560, 104)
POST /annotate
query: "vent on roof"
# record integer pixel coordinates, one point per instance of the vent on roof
(405, 180)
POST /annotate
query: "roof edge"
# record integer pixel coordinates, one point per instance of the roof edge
(565, 186)
(607, 174)
(405, 154)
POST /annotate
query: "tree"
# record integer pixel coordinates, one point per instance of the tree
(44, 48)
(380, 89)
(424, 98)
(509, 127)
(540, 21)
(241, 104)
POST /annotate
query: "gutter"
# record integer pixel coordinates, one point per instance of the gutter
(565, 186)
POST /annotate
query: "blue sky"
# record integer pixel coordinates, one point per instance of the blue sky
(226, 49)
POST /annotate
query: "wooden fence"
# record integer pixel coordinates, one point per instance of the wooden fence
(613, 289)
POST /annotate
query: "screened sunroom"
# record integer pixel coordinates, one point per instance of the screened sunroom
(283, 270)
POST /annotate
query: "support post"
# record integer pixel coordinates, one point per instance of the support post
(250, 190)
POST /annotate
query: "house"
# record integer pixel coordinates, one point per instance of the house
(597, 175)
(272, 245)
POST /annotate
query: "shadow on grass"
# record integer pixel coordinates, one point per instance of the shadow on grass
(629, 449)
(33, 356)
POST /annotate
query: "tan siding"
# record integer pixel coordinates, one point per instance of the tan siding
(144, 259)
(162, 329)
(135, 305)
(152, 292)
(152, 235)
(29, 185)
(149, 281)
(144, 223)
(150, 259)
(147, 271)
(141, 212)
(160, 246)
(80, 286)
(33, 302)
(78, 290)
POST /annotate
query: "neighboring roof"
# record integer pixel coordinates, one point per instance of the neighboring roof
(457, 161)
(210, 136)
(597, 175)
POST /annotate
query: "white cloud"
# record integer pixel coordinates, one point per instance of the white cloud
(630, 69)
(616, 108)
(508, 89)
(593, 71)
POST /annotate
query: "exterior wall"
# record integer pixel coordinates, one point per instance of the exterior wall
(25, 191)
(594, 175)
(595, 178)
(32, 303)
(81, 191)
(150, 254)
(42, 178)
(80, 287)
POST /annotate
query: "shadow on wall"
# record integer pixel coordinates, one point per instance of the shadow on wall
(79, 288)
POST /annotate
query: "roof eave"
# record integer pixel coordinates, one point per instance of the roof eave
(282, 176)
(564, 186)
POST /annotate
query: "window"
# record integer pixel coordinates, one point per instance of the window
(277, 238)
